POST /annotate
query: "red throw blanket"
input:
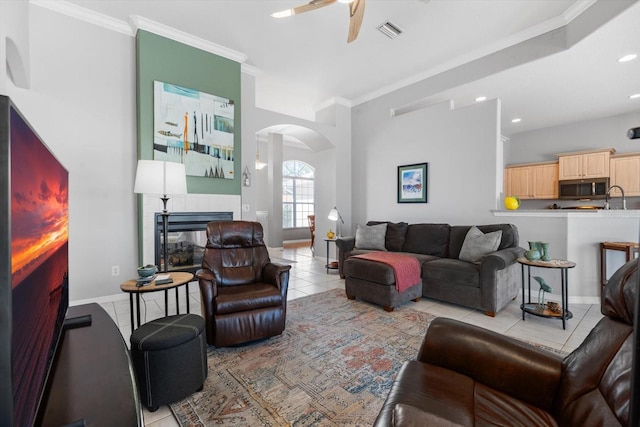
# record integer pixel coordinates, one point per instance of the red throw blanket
(405, 267)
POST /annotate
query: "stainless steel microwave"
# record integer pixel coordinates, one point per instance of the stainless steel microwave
(594, 188)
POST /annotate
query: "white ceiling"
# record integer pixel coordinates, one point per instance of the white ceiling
(305, 61)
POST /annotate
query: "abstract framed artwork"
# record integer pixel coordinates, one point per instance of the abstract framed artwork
(194, 128)
(412, 183)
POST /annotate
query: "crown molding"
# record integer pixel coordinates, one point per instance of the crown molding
(250, 69)
(86, 15)
(549, 25)
(335, 100)
(140, 23)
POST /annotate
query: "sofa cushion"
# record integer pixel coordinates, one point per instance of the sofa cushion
(396, 232)
(232, 299)
(428, 239)
(478, 244)
(410, 416)
(459, 232)
(371, 237)
(372, 271)
(446, 270)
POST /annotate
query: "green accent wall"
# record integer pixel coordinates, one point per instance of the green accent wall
(166, 60)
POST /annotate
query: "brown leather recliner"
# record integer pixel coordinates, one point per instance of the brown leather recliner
(469, 376)
(243, 294)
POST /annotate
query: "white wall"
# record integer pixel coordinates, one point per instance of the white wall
(82, 103)
(542, 145)
(461, 147)
(329, 138)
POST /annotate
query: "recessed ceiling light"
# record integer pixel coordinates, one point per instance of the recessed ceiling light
(628, 58)
(634, 96)
(481, 98)
(516, 120)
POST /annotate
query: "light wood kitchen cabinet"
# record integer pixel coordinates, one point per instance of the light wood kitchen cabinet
(584, 164)
(545, 181)
(625, 172)
(518, 182)
(532, 181)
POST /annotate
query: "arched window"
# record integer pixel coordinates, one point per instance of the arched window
(297, 193)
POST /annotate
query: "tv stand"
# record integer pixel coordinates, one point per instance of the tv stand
(92, 378)
(77, 322)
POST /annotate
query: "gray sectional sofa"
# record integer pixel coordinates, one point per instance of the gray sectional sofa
(488, 284)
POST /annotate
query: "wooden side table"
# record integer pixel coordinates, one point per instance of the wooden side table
(179, 278)
(528, 307)
(629, 248)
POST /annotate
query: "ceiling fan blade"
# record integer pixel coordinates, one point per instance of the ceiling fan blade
(312, 5)
(356, 12)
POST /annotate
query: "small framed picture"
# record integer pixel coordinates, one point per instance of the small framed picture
(412, 183)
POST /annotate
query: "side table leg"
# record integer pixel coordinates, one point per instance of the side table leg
(327, 257)
(138, 307)
(166, 302)
(565, 308)
(177, 304)
(131, 311)
(522, 308)
(188, 311)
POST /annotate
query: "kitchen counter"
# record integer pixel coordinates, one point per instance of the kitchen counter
(570, 213)
(575, 235)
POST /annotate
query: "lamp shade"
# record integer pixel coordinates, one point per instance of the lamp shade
(334, 215)
(159, 177)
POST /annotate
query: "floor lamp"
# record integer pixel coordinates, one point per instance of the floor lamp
(158, 177)
(334, 215)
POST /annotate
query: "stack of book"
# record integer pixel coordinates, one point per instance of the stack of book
(158, 279)
(163, 279)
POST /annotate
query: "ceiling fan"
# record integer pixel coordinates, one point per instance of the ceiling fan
(356, 13)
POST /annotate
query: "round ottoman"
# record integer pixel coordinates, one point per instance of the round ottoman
(170, 358)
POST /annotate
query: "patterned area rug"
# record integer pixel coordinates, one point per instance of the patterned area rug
(333, 365)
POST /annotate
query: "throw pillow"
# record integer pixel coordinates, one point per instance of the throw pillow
(394, 238)
(371, 237)
(477, 244)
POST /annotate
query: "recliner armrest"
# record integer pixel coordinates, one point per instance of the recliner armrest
(273, 274)
(505, 364)
(207, 283)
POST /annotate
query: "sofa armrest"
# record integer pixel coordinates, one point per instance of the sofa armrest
(505, 364)
(277, 275)
(501, 259)
(344, 245)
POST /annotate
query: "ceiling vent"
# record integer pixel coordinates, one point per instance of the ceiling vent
(390, 30)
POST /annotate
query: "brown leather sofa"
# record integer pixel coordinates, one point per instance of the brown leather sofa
(470, 376)
(243, 294)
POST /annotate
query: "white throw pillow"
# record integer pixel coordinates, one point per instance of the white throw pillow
(371, 237)
(477, 244)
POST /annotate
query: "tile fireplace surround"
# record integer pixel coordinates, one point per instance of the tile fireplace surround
(182, 203)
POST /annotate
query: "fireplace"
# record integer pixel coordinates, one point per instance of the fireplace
(186, 238)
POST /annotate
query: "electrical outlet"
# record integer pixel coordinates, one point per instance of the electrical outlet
(245, 208)
(115, 270)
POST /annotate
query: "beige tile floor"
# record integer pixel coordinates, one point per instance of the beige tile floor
(308, 276)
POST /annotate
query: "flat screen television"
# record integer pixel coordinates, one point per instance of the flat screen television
(34, 264)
